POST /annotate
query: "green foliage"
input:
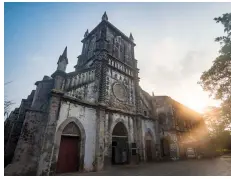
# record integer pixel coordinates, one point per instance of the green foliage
(217, 80)
(220, 138)
(213, 120)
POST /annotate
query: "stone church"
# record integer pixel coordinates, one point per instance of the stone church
(96, 116)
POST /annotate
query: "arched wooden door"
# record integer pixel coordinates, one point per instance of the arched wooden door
(165, 145)
(149, 146)
(69, 150)
(120, 149)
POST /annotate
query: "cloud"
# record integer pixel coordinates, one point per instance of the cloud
(163, 62)
(196, 62)
(172, 67)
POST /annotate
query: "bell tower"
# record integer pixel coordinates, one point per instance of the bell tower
(111, 52)
(107, 37)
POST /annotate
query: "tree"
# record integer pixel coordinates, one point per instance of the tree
(7, 103)
(212, 116)
(220, 137)
(217, 80)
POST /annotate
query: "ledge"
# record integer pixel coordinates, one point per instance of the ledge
(58, 72)
(34, 110)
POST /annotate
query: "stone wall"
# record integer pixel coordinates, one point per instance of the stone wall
(31, 124)
(174, 147)
(85, 92)
(41, 96)
(8, 124)
(13, 128)
(29, 145)
(7, 127)
(10, 140)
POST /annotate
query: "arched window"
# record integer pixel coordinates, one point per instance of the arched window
(119, 130)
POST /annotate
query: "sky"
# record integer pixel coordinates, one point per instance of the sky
(174, 43)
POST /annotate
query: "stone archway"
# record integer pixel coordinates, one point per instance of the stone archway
(120, 145)
(70, 141)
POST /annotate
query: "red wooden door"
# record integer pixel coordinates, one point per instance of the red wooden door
(68, 159)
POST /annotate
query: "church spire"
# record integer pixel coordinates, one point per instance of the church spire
(131, 37)
(63, 61)
(65, 52)
(104, 17)
(86, 33)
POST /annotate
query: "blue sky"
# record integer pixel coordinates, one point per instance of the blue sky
(175, 43)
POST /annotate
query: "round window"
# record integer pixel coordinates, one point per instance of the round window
(119, 92)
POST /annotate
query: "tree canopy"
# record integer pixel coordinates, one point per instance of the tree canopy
(220, 137)
(217, 79)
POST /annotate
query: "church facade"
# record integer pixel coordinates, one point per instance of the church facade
(94, 117)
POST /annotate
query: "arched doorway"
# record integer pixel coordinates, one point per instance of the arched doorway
(120, 149)
(149, 146)
(69, 150)
(165, 146)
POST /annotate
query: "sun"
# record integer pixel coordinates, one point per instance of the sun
(199, 105)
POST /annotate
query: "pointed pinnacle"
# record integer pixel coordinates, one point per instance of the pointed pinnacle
(104, 17)
(65, 52)
(86, 33)
(131, 37)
